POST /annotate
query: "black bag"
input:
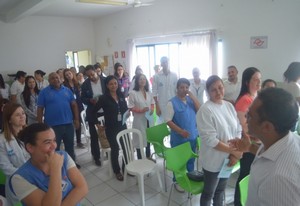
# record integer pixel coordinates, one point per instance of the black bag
(196, 175)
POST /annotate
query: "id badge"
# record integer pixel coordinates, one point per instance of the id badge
(122, 89)
(119, 117)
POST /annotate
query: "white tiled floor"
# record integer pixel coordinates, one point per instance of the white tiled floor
(107, 191)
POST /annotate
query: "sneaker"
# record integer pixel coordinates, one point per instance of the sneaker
(98, 162)
(80, 145)
(178, 188)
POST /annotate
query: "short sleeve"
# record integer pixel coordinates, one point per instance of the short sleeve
(22, 187)
(170, 112)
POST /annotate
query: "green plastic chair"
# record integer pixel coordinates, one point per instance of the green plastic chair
(156, 135)
(176, 160)
(244, 189)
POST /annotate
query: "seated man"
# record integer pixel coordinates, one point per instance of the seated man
(48, 177)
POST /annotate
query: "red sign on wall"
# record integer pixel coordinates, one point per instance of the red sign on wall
(116, 54)
(123, 54)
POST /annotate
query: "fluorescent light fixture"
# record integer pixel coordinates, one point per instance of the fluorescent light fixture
(107, 2)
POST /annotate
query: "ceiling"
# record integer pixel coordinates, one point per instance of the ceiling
(14, 10)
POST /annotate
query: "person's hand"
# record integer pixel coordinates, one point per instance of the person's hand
(237, 154)
(158, 111)
(242, 144)
(232, 160)
(184, 133)
(99, 127)
(151, 112)
(145, 109)
(55, 162)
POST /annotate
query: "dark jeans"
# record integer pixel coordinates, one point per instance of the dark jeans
(65, 133)
(95, 149)
(245, 163)
(78, 134)
(214, 189)
(138, 151)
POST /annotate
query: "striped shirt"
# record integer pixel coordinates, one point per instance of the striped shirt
(275, 174)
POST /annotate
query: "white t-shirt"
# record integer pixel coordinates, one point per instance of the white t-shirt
(16, 88)
(5, 92)
(198, 90)
(232, 90)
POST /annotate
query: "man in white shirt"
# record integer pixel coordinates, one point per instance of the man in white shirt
(231, 85)
(198, 85)
(17, 86)
(164, 87)
(275, 171)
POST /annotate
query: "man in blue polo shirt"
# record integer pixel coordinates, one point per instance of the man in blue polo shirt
(56, 103)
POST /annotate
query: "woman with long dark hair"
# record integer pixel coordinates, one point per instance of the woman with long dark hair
(123, 79)
(28, 99)
(114, 106)
(251, 83)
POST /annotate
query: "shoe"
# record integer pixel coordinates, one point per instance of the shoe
(151, 159)
(119, 177)
(80, 145)
(178, 188)
(98, 162)
(78, 166)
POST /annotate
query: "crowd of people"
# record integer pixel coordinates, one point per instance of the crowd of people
(246, 121)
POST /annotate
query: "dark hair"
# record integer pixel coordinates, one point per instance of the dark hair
(278, 107)
(40, 72)
(29, 134)
(246, 77)
(107, 80)
(89, 67)
(292, 73)
(97, 65)
(266, 81)
(116, 66)
(182, 81)
(136, 83)
(74, 80)
(20, 74)
(26, 92)
(211, 80)
(2, 83)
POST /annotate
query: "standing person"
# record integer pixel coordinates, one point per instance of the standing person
(156, 70)
(70, 81)
(28, 99)
(80, 78)
(141, 101)
(12, 151)
(138, 70)
(274, 176)
(92, 88)
(197, 87)
(60, 73)
(4, 97)
(291, 78)
(217, 123)
(164, 87)
(59, 105)
(268, 83)
(123, 79)
(251, 82)
(181, 118)
(114, 106)
(17, 86)
(41, 82)
(48, 177)
(232, 85)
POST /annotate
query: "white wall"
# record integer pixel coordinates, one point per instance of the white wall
(41, 42)
(235, 21)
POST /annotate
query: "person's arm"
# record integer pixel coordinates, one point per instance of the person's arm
(5, 164)
(53, 197)
(27, 111)
(75, 114)
(40, 114)
(80, 188)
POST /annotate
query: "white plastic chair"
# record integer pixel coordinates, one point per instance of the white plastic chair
(105, 150)
(86, 131)
(140, 167)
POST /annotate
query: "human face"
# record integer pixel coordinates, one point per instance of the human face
(112, 85)
(38, 77)
(255, 82)
(31, 83)
(142, 81)
(232, 74)
(22, 79)
(269, 84)
(92, 75)
(182, 90)
(45, 144)
(54, 80)
(120, 71)
(18, 118)
(196, 73)
(80, 77)
(253, 119)
(216, 92)
(165, 64)
(69, 75)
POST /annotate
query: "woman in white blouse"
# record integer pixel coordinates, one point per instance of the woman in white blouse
(140, 102)
(217, 123)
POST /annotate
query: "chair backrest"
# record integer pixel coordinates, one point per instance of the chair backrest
(125, 137)
(176, 160)
(244, 189)
(156, 135)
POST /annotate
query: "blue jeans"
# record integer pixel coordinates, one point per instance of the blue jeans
(214, 188)
(65, 133)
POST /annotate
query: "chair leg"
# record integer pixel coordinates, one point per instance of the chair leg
(159, 179)
(110, 172)
(165, 177)
(190, 198)
(141, 188)
(171, 193)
